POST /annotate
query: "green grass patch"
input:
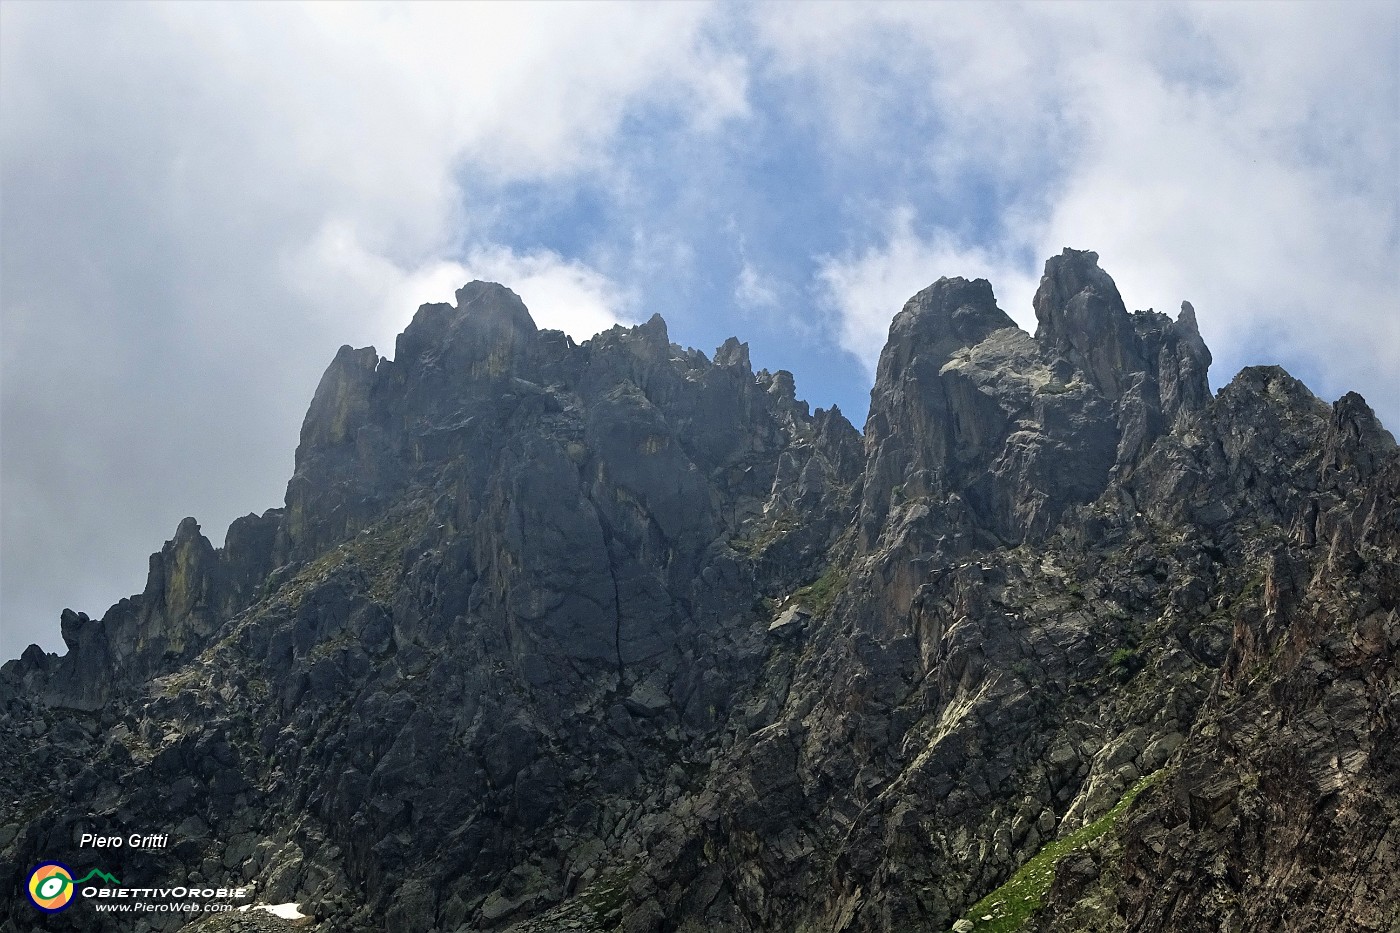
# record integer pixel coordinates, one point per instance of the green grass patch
(1015, 902)
(819, 595)
(1125, 662)
(607, 896)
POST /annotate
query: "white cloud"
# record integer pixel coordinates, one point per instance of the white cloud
(867, 289)
(336, 270)
(989, 72)
(753, 289)
(564, 295)
(523, 90)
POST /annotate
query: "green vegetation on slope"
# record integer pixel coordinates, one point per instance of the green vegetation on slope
(1020, 898)
(819, 596)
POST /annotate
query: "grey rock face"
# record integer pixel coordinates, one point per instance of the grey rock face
(1002, 433)
(611, 635)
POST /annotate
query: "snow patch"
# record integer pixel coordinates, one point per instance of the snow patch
(285, 911)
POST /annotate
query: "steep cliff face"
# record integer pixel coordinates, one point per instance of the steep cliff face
(1021, 429)
(614, 635)
(1281, 810)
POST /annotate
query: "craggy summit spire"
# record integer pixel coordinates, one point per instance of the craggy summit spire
(610, 635)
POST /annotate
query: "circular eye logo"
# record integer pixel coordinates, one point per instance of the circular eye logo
(51, 887)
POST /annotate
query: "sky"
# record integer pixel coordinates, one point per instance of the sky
(199, 203)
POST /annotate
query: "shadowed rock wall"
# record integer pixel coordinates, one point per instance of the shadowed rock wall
(614, 635)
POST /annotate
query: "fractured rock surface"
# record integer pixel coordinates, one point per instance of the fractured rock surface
(613, 635)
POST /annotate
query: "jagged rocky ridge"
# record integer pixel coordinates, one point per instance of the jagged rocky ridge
(614, 635)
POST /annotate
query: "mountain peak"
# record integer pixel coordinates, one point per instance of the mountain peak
(1081, 315)
(610, 635)
(949, 315)
(1074, 293)
(494, 301)
(487, 318)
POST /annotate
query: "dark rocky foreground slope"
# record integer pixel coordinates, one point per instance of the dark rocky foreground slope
(612, 635)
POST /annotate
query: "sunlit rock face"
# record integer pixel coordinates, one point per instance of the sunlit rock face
(614, 635)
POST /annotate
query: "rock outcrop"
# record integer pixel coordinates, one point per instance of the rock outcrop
(615, 636)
